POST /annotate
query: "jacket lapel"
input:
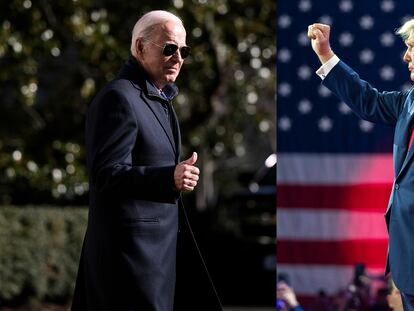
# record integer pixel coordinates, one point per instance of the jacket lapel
(404, 157)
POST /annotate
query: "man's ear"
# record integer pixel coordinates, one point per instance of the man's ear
(139, 46)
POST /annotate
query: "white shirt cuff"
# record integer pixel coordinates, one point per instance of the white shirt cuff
(323, 71)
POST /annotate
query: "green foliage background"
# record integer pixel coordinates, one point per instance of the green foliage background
(55, 56)
(40, 249)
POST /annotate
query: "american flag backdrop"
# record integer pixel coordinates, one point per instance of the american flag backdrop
(334, 170)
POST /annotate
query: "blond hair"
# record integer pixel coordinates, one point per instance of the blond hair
(146, 24)
(405, 30)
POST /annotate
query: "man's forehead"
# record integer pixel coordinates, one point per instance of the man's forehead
(410, 38)
(172, 27)
(170, 31)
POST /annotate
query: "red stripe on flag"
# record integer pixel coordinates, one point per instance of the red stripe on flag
(351, 252)
(306, 301)
(367, 197)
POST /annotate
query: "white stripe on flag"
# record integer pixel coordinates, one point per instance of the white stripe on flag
(332, 169)
(329, 225)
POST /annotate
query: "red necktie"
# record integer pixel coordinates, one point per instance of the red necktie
(411, 138)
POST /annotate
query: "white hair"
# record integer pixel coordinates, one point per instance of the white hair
(146, 24)
(405, 30)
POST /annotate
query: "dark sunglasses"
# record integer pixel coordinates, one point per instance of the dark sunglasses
(170, 49)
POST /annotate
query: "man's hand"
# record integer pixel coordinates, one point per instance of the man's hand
(186, 174)
(319, 35)
(286, 293)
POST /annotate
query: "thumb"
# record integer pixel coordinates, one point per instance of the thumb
(192, 159)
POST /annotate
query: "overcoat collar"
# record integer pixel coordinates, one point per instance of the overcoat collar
(134, 72)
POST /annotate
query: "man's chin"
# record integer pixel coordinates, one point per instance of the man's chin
(170, 78)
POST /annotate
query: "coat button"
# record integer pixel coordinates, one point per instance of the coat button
(397, 186)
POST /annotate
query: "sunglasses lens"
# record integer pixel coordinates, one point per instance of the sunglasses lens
(185, 51)
(170, 49)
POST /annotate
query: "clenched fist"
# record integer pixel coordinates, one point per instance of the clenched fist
(319, 35)
(186, 174)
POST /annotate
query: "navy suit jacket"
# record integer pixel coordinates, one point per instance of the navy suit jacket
(128, 260)
(396, 109)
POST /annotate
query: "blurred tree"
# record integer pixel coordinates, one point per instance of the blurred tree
(56, 55)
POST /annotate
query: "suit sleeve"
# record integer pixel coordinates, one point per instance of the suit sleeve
(111, 134)
(366, 101)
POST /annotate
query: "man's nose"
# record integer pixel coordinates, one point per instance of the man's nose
(177, 55)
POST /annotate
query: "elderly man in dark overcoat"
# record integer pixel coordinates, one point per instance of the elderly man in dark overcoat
(128, 259)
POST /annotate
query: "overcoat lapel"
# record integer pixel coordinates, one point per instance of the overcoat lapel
(159, 113)
(178, 133)
(150, 95)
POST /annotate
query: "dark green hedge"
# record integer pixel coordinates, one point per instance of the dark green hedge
(39, 252)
